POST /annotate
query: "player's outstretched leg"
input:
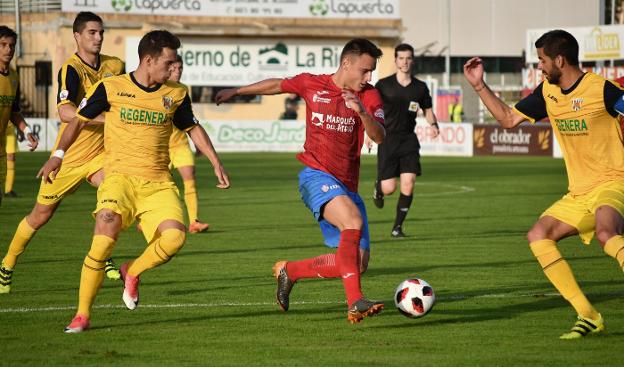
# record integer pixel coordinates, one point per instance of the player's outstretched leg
(363, 308)
(284, 285)
(130, 294)
(158, 252)
(584, 326)
(91, 279)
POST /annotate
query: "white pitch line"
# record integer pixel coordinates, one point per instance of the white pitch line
(256, 304)
(451, 189)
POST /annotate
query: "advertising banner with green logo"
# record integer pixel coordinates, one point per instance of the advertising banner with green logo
(330, 9)
(235, 62)
(603, 42)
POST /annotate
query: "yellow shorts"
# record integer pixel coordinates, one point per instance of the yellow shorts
(67, 181)
(151, 202)
(579, 210)
(181, 156)
(11, 142)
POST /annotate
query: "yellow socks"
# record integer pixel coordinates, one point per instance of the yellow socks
(560, 275)
(23, 234)
(93, 272)
(615, 248)
(10, 176)
(158, 252)
(190, 199)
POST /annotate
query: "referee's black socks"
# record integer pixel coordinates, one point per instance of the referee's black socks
(403, 206)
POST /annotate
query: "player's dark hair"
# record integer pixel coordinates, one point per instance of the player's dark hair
(559, 42)
(360, 46)
(83, 18)
(7, 32)
(403, 47)
(179, 59)
(154, 42)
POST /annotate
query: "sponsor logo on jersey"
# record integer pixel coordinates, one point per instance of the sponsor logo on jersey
(571, 125)
(63, 94)
(107, 75)
(126, 94)
(317, 119)
(576, 104)
(6, 100)
(143, 117)
(316, 98)
(553, 98)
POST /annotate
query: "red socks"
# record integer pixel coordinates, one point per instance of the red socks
(323, 266)
(345, 263)
(348, 261)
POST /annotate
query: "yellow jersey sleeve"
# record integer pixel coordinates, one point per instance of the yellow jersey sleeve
(68, 86)
(533, 106)
(96, 102)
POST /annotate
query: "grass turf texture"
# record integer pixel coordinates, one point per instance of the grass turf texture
(213, 304)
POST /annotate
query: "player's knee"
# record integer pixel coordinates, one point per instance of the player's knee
(603, 235)
(536, 233)
(39, 216)
(171, 241)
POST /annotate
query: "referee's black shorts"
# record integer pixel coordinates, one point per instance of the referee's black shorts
(398, 154)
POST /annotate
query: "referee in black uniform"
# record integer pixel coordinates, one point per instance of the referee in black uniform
(398, 156)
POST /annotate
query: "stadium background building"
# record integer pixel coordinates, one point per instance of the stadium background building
(228, 43)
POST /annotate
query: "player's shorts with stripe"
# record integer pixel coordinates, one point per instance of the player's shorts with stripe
(150, 202)
(579, 211)
(317, 188)
(181, 156)
(67, 181)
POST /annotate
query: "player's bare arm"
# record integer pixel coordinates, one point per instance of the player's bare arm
(18, 120)
(506, 117)
(53, 165)
(67, 112)
(203, 143)
(374, 130)
(264, 87)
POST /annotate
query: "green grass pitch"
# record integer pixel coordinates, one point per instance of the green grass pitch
(213, 304)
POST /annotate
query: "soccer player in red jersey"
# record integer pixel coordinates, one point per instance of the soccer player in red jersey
(340, 108)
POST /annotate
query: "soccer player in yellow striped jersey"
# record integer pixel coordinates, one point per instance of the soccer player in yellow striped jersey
(583, 111)
(84, 161)
(140, 111)
(9, 111)
(182, 159)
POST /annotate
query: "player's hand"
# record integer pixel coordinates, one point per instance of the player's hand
(352, 101)
(369, 143)
(225, 95)
(473, 71)
(32, 141)
(222, 176)
(50, 169)
(436, 130)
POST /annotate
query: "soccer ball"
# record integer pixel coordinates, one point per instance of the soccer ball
(414, 297)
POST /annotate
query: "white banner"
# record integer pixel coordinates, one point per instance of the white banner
(320, 9)
(455, 139)
(595, 43)
(256, 136)
(46, 130)
(236, 62)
